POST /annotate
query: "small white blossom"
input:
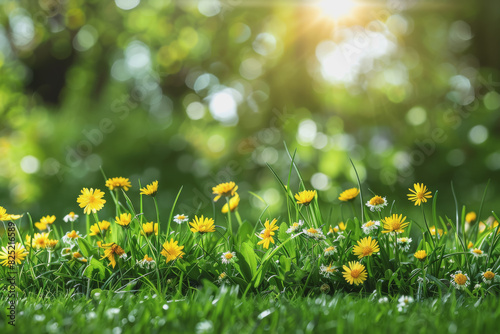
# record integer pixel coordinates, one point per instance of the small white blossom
(179, 219)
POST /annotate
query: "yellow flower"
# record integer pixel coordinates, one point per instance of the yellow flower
(45, 222)
(40, 240)
(233, 203)
(202, 225)
(488, 276)
(118, 182)
(460, 280)
(79, 257)
(150, 189)
(477, 252)
(394, 224)
(376, 203)
(366, 247)
(103, 226)
(349, 194)
(470, 217)
(327, 270)
(355, 273)
(11, 256)
(124, 219)
(91, 200)
(420, 194)
(112, 250)
(51, 244)
(149, 228)
(482, 227)
(420, 255)
(267, 234)
(171, 250)
(224, 189)
(470, 245)
(4, 216)
(432, 229)
(305, 197)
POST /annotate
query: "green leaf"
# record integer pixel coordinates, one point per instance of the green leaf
(249, 256)
(95, 265)
(85, 247)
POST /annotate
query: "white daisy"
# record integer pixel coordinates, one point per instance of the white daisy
(70, 217)
(315, 233)
(327, 270)
(330, 251)
(404, 302)
(477, 252)
(70, 238)
(404, 243)
(460, 280)
(376, 203)
(228, 257)
(295, 227)
(488, 276)
(179, 219)
(370, 226)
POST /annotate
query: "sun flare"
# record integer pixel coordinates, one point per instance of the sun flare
(336, 9)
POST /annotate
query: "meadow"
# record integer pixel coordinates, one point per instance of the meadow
(299, 270)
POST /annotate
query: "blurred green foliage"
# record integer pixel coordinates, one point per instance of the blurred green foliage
(195, 93)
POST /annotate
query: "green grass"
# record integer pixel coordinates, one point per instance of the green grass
(223, 310)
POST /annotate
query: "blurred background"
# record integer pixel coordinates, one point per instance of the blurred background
(194, 93)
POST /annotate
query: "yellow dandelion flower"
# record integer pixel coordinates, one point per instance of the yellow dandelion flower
(420, 255)
(103, 226)
(355, 273)
(150, 189)
(149, 228)
(224, 189)
(267, 234)
(394, 224)
(171, 250)
(117, 183)
(470, 245)
(488, 276)
(470, 217)
(366, 247)
(233, 203)
(112, 251)
(202, 225)
(349, 194)
(420, 194)
(51, 244)
(124, 219)
(41, 226)
(11, 256)
(45, 222)
(91, 200)
(305, 197)
(433, 231)
(79, 257)
(40, 240)
(4, 216)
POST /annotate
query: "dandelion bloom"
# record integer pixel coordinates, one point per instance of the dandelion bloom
(4, 216)
(40, 240)
(112, 250)
(70, 217)
(171, 250)
(41, 226)
(420, 255)
(228, 257)
(117, 183)
(267, 234)
(91, 200)
(305, 197)
(327, 270)
(349, 194)
(355, 273)
(103, 227)
(124, 219)
(394, 224)
(202, 225)
(179, 219)
(233, 203)
(19, 253)
(45, 222)
(224, 189)
(366, 247)
(420, 194)
(460, 281)
(150, 189)
(149, 228)
(376, 203)
(470, 245)
(433, 231)
(470, 217)
(488, 276)
(51, 244)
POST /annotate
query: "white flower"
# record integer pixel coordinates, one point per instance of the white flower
(179, 219)
(327, 270)
(370, 226)
(404, 243)
(477, 252)
(314, 233)
(295, 227)
(123, 256)
(376, 203)
(70, 238)
(404, 302)
(147, 263)
(228, 257)
(70, 217)
(330, 250)
(383, 300)
(488, 276)
(460, 280)
(339, 237)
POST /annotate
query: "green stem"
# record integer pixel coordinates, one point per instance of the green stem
(230, 225)
(238, 218)
(158, 222)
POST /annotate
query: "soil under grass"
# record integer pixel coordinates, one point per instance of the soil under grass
(224, 311)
